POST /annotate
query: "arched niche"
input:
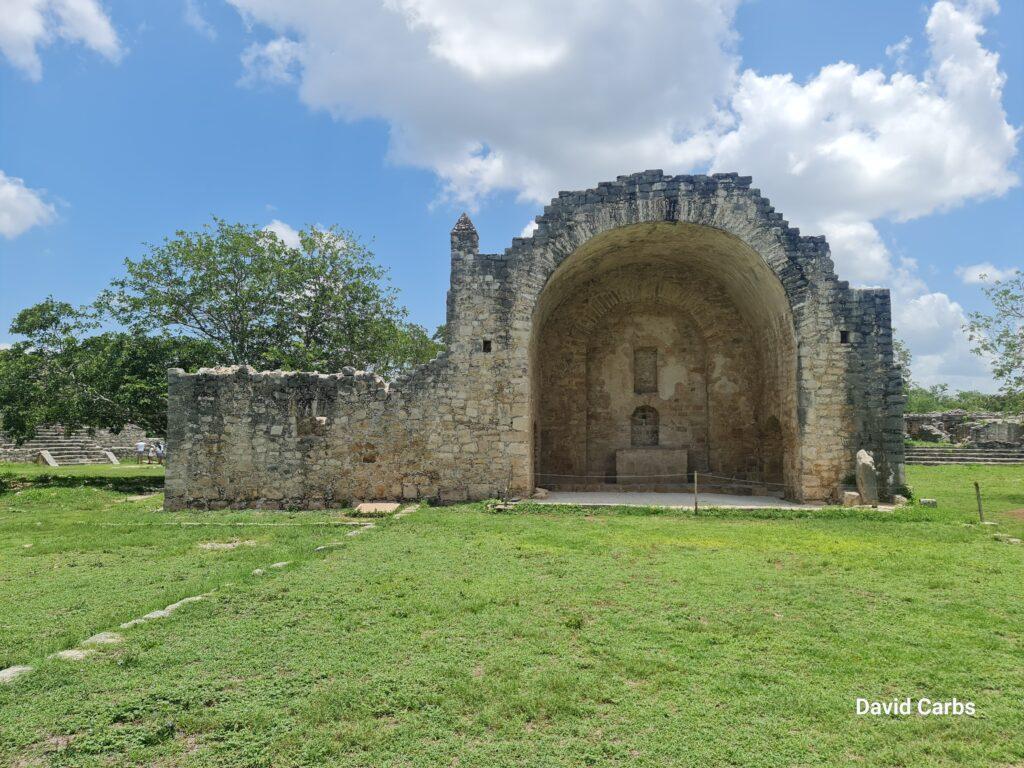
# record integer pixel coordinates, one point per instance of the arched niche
(716, 319)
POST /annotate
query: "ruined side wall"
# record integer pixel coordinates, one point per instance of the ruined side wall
(457, 428)
(874, 387)
(245, 439)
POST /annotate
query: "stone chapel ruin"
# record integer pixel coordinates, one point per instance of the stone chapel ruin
(651, 327)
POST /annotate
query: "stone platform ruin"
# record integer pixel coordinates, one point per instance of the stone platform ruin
(651, 311)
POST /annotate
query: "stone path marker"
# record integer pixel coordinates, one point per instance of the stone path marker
(261, 571)
(222, 545)
(13, 673)
(377, 507)
(73, 654)
(104, 638)
(163, 613)
(88, 646)
(406, 511)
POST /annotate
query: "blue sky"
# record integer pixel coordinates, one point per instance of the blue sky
(154, 116)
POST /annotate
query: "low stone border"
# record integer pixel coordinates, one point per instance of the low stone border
(88, 646)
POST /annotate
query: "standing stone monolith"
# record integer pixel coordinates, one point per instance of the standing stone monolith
(867, 477)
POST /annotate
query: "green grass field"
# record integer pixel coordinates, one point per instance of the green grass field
(543, 636)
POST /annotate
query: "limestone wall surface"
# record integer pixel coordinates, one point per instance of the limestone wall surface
(817, 381)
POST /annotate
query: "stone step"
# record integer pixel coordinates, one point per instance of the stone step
(980, 456)
(964, 452)
(967, 452)
(946, 462)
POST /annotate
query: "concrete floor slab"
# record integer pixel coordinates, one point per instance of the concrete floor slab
(672, 500)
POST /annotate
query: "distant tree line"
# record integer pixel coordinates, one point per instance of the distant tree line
(228, 294)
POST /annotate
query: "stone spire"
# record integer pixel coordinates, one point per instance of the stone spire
(464, 236)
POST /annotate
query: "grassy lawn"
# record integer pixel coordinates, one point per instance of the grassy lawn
(542, 637)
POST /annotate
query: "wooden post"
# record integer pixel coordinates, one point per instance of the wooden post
(977, 494)
(695, 492)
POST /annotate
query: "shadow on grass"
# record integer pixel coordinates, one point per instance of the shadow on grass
(132, 485)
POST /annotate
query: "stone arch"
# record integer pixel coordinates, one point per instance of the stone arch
(719, 226)
(710, 393)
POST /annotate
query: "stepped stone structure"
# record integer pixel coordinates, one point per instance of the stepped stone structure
(81, 447)
(651, 327)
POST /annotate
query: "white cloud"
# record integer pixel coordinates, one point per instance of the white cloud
(275, 62)
(193, 16)
(529, 229)
(286, 233)
(530, 96)
(932, 326)
(984, 273)
(21, 208)
(898, 52)
(28, 25)
(852, 147)
(535, 97)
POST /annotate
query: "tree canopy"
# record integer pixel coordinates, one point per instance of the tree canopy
(226, 294)
(999, 335)
(60, 374)
(321, 306)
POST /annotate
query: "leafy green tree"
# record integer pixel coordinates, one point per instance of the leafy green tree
(939, 398)
(322, 306)
(1000, 335)
(62, 374)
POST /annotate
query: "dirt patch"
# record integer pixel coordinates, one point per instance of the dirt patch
(1016, 514)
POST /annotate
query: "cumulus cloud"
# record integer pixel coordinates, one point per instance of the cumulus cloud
(932, 326)
(286, 233)
(850, 147)
(274, 62)
(984, 273)
(193, 16)
(535, 97)
(898, 52)
(21, 208)
(528, 96)
(28, 25)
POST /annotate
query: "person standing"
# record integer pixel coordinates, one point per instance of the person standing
(140, 450)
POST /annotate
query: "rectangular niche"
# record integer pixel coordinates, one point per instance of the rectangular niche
(645, 370)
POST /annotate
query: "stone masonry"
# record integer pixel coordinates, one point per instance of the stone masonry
(657, 311)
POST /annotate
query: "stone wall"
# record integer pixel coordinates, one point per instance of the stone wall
(980, 429)
(276, 440)
(464, 426)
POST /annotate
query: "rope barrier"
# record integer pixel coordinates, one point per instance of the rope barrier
(674, 474)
